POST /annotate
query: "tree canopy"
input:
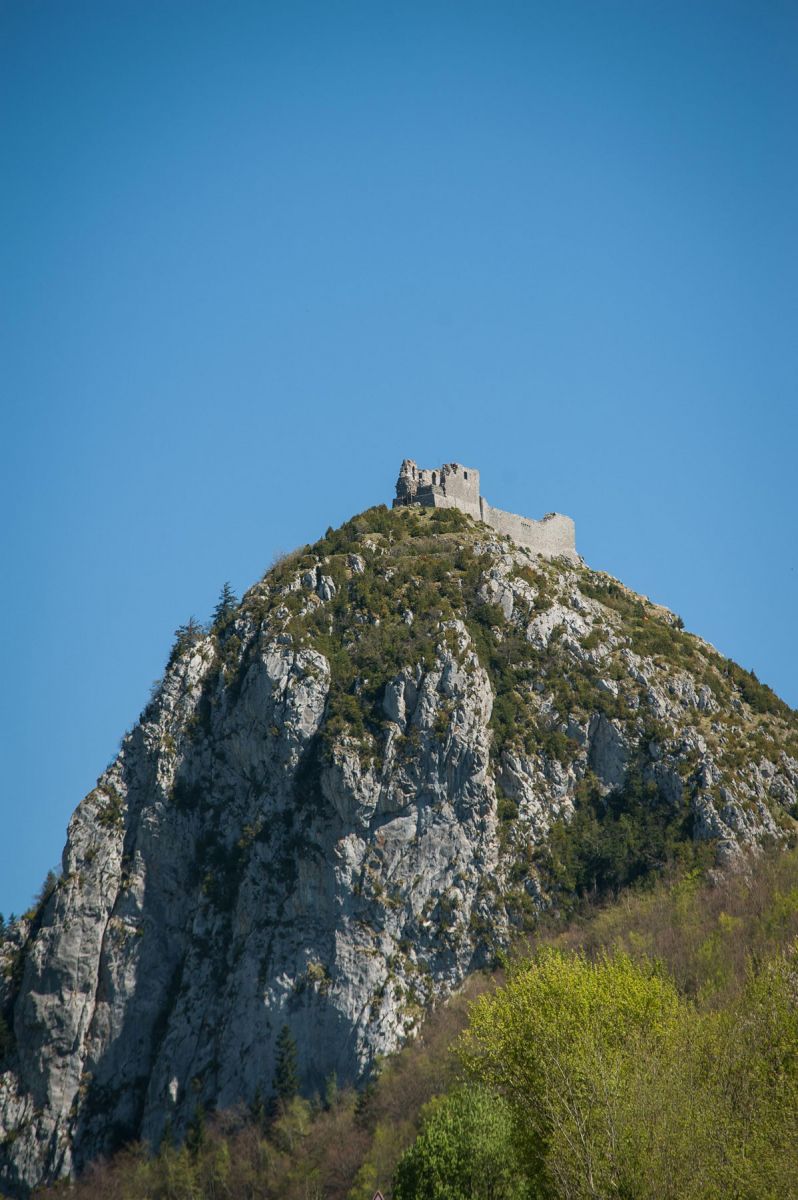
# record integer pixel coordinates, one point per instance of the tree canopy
(465, 1151)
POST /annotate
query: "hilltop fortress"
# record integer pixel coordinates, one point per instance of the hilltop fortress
(456, 486)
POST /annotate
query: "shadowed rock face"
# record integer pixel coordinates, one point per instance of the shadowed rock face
(302, 829)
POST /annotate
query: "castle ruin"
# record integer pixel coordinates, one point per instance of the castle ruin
(456, 486)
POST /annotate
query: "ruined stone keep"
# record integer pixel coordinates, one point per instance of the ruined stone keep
(455, 486)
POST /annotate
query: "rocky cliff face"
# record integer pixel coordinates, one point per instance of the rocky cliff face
(344, 797)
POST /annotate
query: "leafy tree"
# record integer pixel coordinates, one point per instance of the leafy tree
(465, 1151)
(286, 1075)
(170, 1176)
(751, 1086)
(619, 1088)
(292, 1126)
(225, 607)
(560, 1042)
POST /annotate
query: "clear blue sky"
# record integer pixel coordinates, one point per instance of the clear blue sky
(254, 254)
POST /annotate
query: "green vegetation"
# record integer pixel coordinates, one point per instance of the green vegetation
(423, 565)
(647, 1049)
(556, 1043)
(651, 633)
(51, 881)
(466, 1148)
(616, 839)
(618, 1085)
(111, 811)
(761, 698)
(386, 611)
(286, 1076)
(225, 609)
(186, 636)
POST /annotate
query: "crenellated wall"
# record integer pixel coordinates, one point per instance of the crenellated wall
(455, 486)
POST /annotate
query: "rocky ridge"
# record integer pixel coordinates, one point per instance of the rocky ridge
(356, 787)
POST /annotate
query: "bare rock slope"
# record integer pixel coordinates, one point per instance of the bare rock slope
(405, 742)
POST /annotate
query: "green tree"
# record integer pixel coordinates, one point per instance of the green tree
(561, 1042)
(171, 1175)
(286, 1076)
(620, 1088)
(465, 1151)
(225, 607)
(751, 1084)
(186, 636)
(48, 887)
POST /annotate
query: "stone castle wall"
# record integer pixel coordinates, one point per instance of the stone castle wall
(456, 486)
(555, 534)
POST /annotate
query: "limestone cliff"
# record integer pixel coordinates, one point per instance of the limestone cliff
(344, 797)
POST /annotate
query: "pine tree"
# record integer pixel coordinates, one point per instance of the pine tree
(286, 1077)
(185, 636)
(226, 606)
(47, 889)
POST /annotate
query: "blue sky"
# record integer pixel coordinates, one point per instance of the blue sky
(253, 255)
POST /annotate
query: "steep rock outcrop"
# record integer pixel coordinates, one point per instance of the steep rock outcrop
(337, 804)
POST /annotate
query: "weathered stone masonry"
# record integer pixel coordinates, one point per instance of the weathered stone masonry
(456, 486)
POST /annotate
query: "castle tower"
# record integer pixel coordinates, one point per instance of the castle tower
(449, 486)
(407, 483)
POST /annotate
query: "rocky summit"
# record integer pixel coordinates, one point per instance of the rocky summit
(360, 784)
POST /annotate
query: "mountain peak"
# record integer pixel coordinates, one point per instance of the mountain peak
(362, 782)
